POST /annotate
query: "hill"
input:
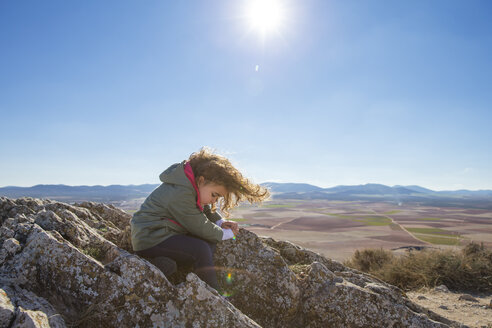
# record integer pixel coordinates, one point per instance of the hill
(118, 194)
(396, 194)
(67, 265)
(290, 187)
(81, 193)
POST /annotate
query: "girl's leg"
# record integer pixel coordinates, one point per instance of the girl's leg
(188, 250)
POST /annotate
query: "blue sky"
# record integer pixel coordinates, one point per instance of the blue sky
(346, 92)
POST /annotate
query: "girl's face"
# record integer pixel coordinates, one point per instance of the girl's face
(209, 191)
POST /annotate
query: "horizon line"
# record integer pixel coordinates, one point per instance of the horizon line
(304, 183)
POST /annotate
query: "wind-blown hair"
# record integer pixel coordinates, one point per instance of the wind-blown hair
(219, 170)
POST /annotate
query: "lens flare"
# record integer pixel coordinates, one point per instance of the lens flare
(228, 280)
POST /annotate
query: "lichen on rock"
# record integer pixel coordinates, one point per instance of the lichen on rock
(72, 265)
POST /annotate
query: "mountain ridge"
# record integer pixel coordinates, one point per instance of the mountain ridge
(282, 185)
(367, 192)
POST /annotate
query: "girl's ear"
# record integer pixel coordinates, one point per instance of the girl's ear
(200, 181)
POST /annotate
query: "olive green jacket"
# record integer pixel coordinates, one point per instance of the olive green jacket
(174, 199)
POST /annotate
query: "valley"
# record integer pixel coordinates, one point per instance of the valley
(337, 228)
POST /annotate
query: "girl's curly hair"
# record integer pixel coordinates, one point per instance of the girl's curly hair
(219, 170)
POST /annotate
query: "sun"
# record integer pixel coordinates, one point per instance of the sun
(265, 16)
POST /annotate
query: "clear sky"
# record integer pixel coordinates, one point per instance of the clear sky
(339, 92)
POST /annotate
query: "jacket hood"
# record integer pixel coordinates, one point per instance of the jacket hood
(175, 174)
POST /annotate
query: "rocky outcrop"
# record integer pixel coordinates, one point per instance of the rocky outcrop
(71, 265)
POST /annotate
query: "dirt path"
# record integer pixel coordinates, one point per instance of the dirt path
(401, 227)
(287, 221)
(476, 314)
(284, 222)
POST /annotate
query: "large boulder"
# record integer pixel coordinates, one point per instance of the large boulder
(72, 265)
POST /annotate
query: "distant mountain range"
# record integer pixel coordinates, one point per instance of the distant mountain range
(103, 194)
(370, 188)
(379, 192)
(367, 192)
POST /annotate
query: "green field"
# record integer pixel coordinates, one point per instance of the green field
(392, 212)
(429, 219)
(436, 236)
(433, 231)
(438, 240)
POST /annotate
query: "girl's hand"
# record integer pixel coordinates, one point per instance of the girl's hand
(230, 225)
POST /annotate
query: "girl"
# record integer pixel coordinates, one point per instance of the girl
(179, 220)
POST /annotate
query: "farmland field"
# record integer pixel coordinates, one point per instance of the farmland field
(337, 228)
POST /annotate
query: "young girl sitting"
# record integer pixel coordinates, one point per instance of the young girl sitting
(179, 220)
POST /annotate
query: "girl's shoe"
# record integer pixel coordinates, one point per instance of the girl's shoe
(165, 264)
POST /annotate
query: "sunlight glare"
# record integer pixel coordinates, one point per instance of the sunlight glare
(265, 15)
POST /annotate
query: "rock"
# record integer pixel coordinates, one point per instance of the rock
(9, 248)
(260, 277)
(29, 301)
(6, 310)
(444, 307)
(467, 297)
(30, 319)
(325, 302)
(490, 304)
(72, 265)
(441, 288)
(294, 254)
(91, 282)
(421, 297)
(11, 245)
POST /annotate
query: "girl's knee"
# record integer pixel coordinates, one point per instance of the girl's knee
(203, 254)
(212, 247)
(204, 248)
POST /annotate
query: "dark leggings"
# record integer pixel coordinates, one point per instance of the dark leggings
(187, 250)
